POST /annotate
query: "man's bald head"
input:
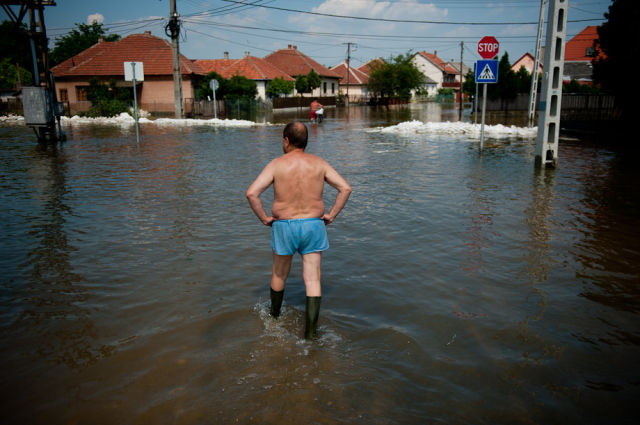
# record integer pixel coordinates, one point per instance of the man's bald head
(297, 134)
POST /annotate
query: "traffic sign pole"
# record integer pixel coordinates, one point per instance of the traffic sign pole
(486, 73)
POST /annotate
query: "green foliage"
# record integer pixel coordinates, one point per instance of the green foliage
(469, 85)
(307, 83)
(279, 87)
(236, 87)
(107, 100)
(577, 88)
(395, 77)
(78, 40)
(239, 87)
(523, 80)
(507, 85)
(203, 91)
(9, 75)
(14, 46)
(616, 41)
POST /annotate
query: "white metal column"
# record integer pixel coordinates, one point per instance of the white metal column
(551, 97)
(533, 92)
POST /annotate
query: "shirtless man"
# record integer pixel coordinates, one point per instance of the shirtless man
(298, 216)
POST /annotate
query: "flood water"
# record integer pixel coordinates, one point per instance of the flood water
(458, 289)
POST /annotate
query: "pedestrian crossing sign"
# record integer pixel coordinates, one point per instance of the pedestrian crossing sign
(487, 71)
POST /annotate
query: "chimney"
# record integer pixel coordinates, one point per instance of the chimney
(226, 55)
(147, 32)
(289, 46)
(100, 39)
(435, 53)
(295, 47)
(246, 53)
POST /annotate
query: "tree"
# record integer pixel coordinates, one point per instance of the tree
(203, 90)
(79, 40)
(107, 100)
(396, 77)
(240, 87)
(14, 46)
(469, 85)
(307, 83)
(523, 80)
(9, 75)
(279, 86)
(507, 85)
(616, 37)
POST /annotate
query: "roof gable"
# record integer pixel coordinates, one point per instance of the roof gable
(580, 47)
(356, 77)
(107, 58)
(438, 63)
(293, 62)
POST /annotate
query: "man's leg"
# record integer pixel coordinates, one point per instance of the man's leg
(311, 266)
(281, 268)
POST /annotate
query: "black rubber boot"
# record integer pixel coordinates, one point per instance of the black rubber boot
(276, 302)
(311, 323)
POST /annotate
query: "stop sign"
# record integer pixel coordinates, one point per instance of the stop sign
(488, 47)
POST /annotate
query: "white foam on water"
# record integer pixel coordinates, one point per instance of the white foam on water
(11, 119)
(469, 130)
(127, 120)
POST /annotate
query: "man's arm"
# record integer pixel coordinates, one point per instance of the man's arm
(336, 181)
(261, 183)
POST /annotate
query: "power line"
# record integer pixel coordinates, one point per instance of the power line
(404, 21)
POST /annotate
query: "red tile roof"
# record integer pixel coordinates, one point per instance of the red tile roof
(214, 65)
(356, 77)
(576, 48)
(107, 58)
(293, 62)
(367, 67)
(434, 59)
(255, 69)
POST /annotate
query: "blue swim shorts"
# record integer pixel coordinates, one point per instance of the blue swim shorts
(303, 235)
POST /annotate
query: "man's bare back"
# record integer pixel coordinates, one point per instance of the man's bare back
(298, 182)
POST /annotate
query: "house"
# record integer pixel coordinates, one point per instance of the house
(579, 52)
(251, 67)
(527, 60)
(439, 74)
(294, 63)
(369, 66)
(105, 60)
(353, 82)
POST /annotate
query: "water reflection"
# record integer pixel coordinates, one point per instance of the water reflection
(51, 307)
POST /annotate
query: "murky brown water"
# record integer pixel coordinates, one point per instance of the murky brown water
(458, 289)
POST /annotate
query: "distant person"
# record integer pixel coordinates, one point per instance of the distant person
(298, 217)
(316, 111)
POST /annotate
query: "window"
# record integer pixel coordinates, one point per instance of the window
(333, 88)
(590, 52)
(81, 93)
(324, 87)
(64, 95)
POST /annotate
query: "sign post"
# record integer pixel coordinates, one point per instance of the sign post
(213, 85)
(486, 72)
(134, 71)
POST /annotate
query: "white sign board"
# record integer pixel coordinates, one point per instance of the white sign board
(133, 70)
(213, 84)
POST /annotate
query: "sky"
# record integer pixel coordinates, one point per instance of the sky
(383, 28)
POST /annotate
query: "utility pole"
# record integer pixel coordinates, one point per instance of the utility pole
(460, 109)
(536, 65)
(551, 96)
(174, 32)
(348, 69)
(39, 101)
